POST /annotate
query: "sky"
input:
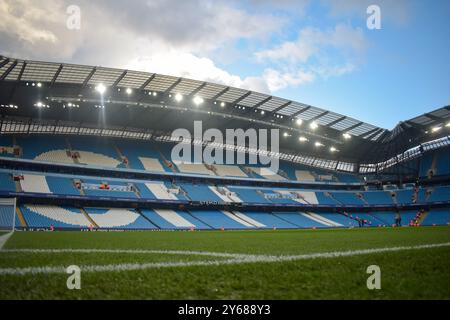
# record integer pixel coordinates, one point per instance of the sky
(320, 52)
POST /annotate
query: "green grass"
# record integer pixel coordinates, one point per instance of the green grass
(415, 274)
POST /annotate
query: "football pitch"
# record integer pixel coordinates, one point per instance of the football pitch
(276, 264)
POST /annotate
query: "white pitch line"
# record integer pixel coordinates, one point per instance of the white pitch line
(4, 238)
(242, 259)
(131, 251)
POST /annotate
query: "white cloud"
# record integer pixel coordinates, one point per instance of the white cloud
(315, 53)
(185, 64)
(168, 37)
(277, 80)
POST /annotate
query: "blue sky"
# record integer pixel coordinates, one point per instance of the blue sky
(316, 52)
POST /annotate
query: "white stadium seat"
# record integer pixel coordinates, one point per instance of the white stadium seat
(34, 183)
(151, 164)
(55, 156)
(96, 159)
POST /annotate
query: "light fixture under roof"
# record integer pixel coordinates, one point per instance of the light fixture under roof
(448, 124)
(198, 100)
(333, 149)
(318, 144)
(100, 88)
(129, 91)
(222, 104)
(302, 139)
(313, 125)
(178, 97)
(299, 121)
(347, 136)
(436, 129)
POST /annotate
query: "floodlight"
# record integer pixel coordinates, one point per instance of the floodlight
(436, 129)
(318, 144)
(178, 97)
(100, 88)
(303, 139)
(129, 91)
(313, 125)
(346, 136)
(198, 100)
(299, 121)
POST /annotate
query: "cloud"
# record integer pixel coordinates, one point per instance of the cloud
(315, 53)
(200, 68)
(169, 37)
(277, 80)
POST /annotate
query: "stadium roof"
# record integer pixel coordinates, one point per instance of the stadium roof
(61, 73)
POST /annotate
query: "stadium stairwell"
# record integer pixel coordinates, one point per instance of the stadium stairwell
(422, 217)
(21, 217)
(167, 163)
(89, 218)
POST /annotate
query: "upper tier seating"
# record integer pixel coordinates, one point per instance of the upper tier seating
(6, 146)
(194, 168)
(303, 175)
(229, 171)
(43, 148)
(151, 164)
(149, 155)
(266, 173)
(435, 162)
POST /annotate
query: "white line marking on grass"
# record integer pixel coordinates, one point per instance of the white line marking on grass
(132, 251)
(4, 238)
(239, 259)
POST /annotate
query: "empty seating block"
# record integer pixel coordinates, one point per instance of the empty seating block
(34, 183)
(44, 216)
(118, 218)
(6, 182)
(378, 197)
(229, 171)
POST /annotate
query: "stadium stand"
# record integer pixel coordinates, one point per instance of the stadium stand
(120, 174)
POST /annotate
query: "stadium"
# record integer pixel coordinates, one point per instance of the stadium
(224, 158)
(88, 149)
